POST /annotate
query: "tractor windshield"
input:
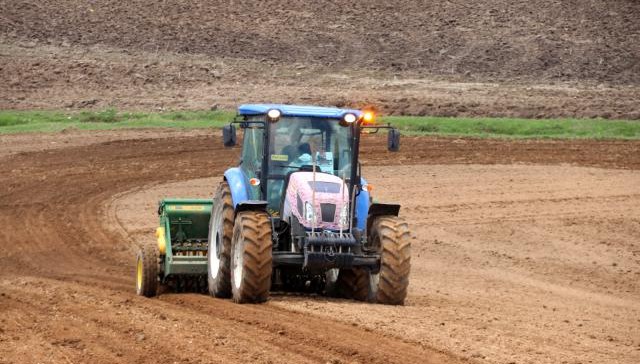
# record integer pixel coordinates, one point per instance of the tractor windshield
(304, 141)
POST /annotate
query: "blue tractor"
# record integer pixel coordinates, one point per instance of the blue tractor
(295, 214)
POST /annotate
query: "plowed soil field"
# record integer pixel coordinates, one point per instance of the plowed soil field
(523, 252)
(528, 58)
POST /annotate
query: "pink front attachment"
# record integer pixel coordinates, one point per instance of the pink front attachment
(331, 197)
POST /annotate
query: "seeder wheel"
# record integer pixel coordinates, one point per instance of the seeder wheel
(147, 271)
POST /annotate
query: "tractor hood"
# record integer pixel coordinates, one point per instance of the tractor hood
(331, 208)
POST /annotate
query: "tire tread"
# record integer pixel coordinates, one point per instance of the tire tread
(149, 255)
(221, 287)
(255, 228)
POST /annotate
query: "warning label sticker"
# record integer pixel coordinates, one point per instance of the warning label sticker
(280, 157)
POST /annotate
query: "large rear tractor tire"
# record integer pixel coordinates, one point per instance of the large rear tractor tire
(390, 236)
(251, 257)
(220, 234)
(147, 271)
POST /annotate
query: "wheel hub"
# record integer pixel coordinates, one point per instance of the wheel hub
(139, 274)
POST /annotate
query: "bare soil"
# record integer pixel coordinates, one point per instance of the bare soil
(524, 252)
(449, 58)
(536, 40)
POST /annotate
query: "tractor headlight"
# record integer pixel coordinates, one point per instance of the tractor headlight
(344, 215)
(309, 214)
(350, 118)
(273, 115)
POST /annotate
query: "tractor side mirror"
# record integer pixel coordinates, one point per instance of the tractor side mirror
(393, 140)
(229, 135)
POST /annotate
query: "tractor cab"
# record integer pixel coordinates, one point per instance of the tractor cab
(282, 139)
(272, 152)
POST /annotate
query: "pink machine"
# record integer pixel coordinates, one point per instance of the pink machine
(329, 211)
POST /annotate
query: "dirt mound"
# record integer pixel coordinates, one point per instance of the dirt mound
(483, 40)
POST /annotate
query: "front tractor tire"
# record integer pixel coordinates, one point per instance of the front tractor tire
(219, 252)
(147, 271)
(251, 257)
(390, 236)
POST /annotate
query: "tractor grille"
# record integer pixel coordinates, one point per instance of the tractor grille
(328, 211)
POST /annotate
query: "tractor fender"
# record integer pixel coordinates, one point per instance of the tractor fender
(238, 185)
(251, 205)
(381, 209)
(362, 206)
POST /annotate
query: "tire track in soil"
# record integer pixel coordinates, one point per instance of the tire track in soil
(66, 278)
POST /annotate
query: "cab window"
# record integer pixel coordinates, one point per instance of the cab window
(252, 152)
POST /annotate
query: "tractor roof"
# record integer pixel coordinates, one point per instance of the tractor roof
(296, 110)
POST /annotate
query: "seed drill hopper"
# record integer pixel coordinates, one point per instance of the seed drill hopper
(179, 259)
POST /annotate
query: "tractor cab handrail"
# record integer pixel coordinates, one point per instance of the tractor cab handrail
(376, 127)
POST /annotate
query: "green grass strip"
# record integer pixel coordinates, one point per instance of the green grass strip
(54, 121)
(517, 128)
(12, 121)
